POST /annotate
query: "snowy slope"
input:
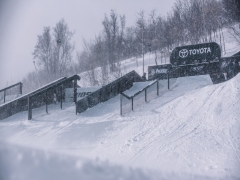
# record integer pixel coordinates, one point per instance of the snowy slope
(189, 132)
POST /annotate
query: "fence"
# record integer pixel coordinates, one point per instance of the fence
(39, 97)
(130, 102)
(8, 91)
(109, 91)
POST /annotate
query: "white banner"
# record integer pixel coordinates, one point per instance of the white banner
(81, 93)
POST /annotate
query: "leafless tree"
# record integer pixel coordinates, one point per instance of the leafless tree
(54, 52)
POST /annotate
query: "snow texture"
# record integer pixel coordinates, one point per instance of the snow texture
(191, 131)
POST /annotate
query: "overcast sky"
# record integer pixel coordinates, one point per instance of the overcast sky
(22, 20)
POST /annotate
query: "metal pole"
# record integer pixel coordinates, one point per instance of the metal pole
(76, 108)
(157, 88)
(4, 96)
(20, 88)
(75, 90)
(61, 89)
(132, 103)
(168, 81)
(145, 95)
(46, 103)
(29, 108)
(121, 104)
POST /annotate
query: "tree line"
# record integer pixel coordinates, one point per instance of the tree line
(189, 22)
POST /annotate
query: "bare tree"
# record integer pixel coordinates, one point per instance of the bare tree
(54, 53)
(43, 52)
(63, 48)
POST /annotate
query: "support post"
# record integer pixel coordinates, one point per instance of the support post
(132, 103)
(120, 104)
(61, 89)
(157, 88)
(29, 108)
(168, 81)
(76, 108)
(20, 89)
(75, 90)
(46, 103)
(4, 96)
(146, 95)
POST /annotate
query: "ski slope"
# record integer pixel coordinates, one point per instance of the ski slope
(189, 132)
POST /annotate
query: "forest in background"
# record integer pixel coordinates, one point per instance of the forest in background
(189, 22)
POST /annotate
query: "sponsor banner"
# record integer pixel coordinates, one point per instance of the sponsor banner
(159, 71)
(81, 93)
(196, 54)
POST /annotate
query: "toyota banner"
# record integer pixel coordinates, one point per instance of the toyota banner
(196, 54)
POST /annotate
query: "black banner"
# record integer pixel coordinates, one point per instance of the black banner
(196, 54)
(159, 71)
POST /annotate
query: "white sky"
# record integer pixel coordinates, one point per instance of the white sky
(22, 20)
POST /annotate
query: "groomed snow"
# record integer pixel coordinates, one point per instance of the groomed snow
(189, 132)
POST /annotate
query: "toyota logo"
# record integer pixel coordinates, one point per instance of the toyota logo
(183, 53)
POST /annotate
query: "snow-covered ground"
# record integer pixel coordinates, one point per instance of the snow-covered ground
(191, 131)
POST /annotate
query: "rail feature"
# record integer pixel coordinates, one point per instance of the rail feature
(4, 90)
(39, 97)
(152, 90)
(107, 92)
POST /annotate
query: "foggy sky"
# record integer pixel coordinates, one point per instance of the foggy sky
(21, 21)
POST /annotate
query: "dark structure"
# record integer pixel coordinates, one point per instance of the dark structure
(109, 91)
(158, 72)
(42, 96)
(195, 60)
(9, 87)
(196, 54)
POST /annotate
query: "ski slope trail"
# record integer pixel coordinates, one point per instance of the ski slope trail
(193, 128)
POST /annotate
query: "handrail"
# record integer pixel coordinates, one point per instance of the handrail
(144, 89)
(50, 88)
(35, 91)
(9, 87)
(173, 70)
(24, 102)
(130, 97)
(113, 88)
(108, 84)
(4, 89)
(54, 85)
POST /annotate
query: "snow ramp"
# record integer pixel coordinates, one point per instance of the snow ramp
(144, 93)
(189, 133)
